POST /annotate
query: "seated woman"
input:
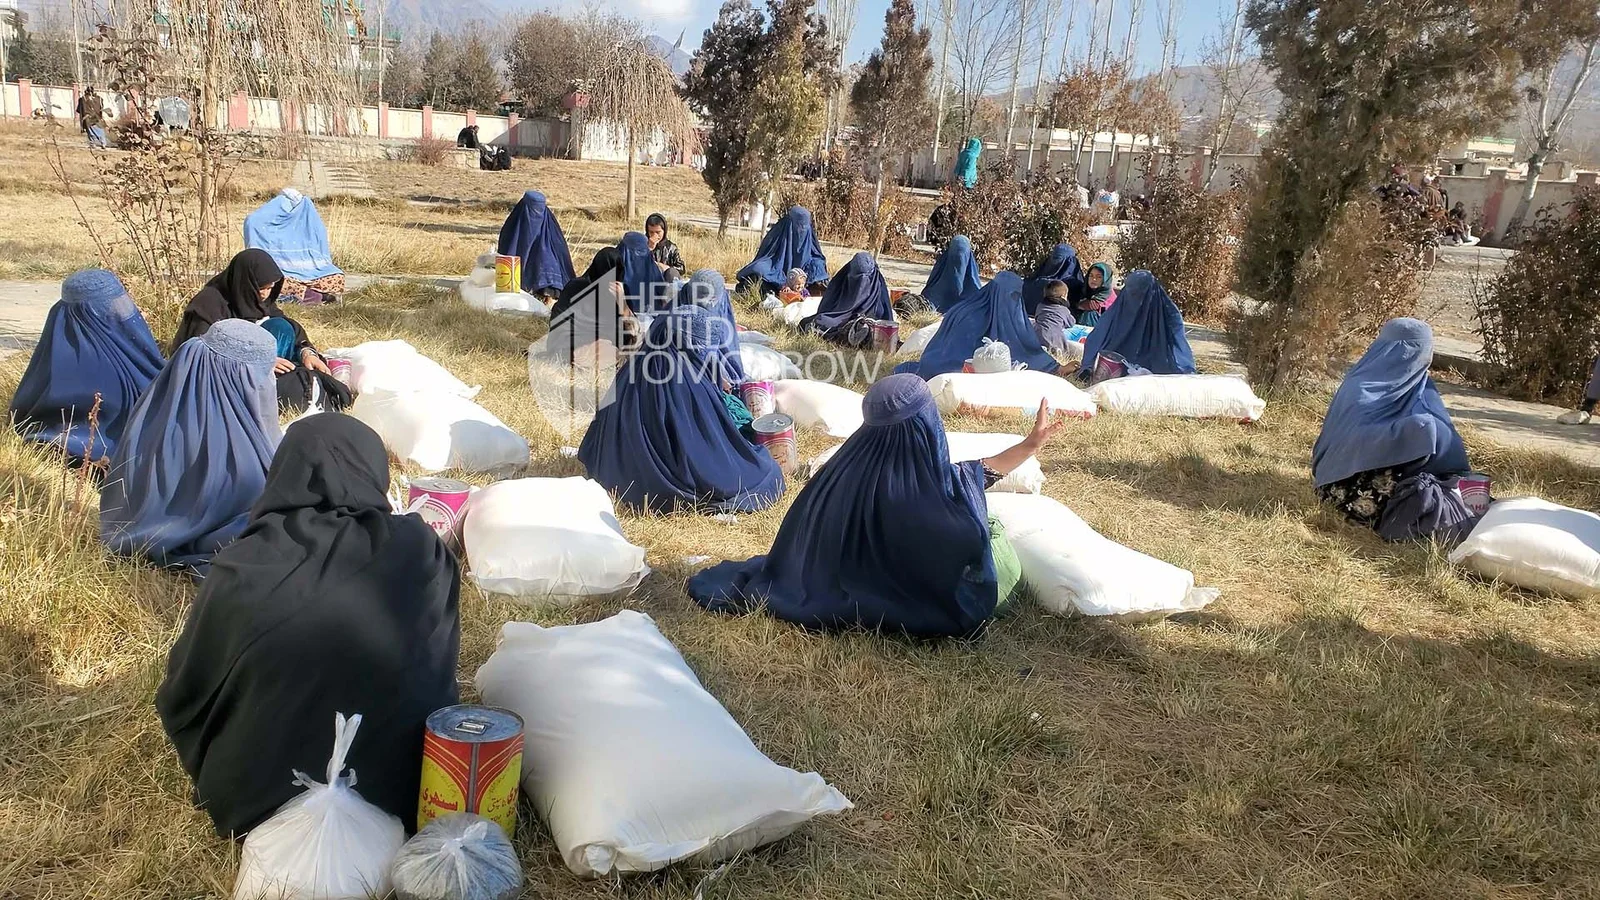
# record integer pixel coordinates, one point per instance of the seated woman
(662, 249)
(671, 440)
(954, 275)
(327, 603)
(1099, 294)
(1054, 317)
(248, 289)
(857, 292)
(791, 243)
(194, 454)
(889, 536)
(94, 343)
(1144, 328)
(645, 286)
(993, 312)
(290, 230)
(1061, 265)
(1388, 455)
(707, 290)
(532, 233)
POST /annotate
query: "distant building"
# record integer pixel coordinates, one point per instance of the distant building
(1494, 151)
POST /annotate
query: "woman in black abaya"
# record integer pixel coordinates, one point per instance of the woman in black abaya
(327, 603)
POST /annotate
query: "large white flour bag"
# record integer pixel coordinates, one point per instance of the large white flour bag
(766, 364)
(1071, 568)
(1008, 394)
(398, 366)
(325, 844)
(549, 537)
(829, 408)
(919, 339)
(1536, 544)
(437, 431)
(1027, 478)
(632, 764)
(1184, 396)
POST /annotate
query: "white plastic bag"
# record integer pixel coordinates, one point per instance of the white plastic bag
(1535, 544)
(1186, 396)
(919, 339)
(437, 431)
(1071, 568)
(633, 765)
(549, 537)
(991, 356)
(325, 844)
(793, 313)
(1027, 478)
(1008, 394)
(398, 366)
(766, 364)
(458, 857)
(485, 297)
(834, 410)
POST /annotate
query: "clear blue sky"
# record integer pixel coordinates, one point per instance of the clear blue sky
(1197, 20)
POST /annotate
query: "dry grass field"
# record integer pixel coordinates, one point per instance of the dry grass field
(1350, 720)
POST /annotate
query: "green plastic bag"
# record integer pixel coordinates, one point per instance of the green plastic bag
(1007, 568)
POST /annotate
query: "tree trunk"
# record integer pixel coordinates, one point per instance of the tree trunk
(633, 153)
(877, 212)
(209, 240)
(1525, 202)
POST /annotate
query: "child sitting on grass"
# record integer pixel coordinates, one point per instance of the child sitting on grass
(1053, 317)
(794, 288)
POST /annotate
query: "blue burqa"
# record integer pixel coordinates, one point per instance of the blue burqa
(889, 536)
(532, 232)
(195, 453)
(707, 290)
(954, 275)
(858, 291)
(666, 441)
(290, 230)
(1144, 327)
(791, 243)
(94, 342)
(1061, 265)
(994, 312)
(1387, 412)
(646, 286)
(967, 163)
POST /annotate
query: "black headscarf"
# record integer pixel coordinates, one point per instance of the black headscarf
(608, 259)
(326, 603)
(234, 293)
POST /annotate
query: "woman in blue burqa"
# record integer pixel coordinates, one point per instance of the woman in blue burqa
(954, 275)
(1061, 265)
(290, 230)
(644, 285)
(195, 453)
(1144, 328)
(1388, 456)
(889, 536)
(791, 243)
(967, 163)
(532, 233)
(95, 344)
(857, 292)
(994, 312)
(669, 437)
(706, 289)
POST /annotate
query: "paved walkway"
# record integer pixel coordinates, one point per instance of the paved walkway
(23, 305)
(318, 179)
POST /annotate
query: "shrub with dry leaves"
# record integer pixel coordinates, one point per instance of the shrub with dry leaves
(1188, 239)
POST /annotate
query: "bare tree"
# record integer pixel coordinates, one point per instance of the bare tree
(947, 11)
(1240, 85)
(982, 46)
(266, 47)
(635, 89)
(841, 18)
(1545, 126)
(1016, 69)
